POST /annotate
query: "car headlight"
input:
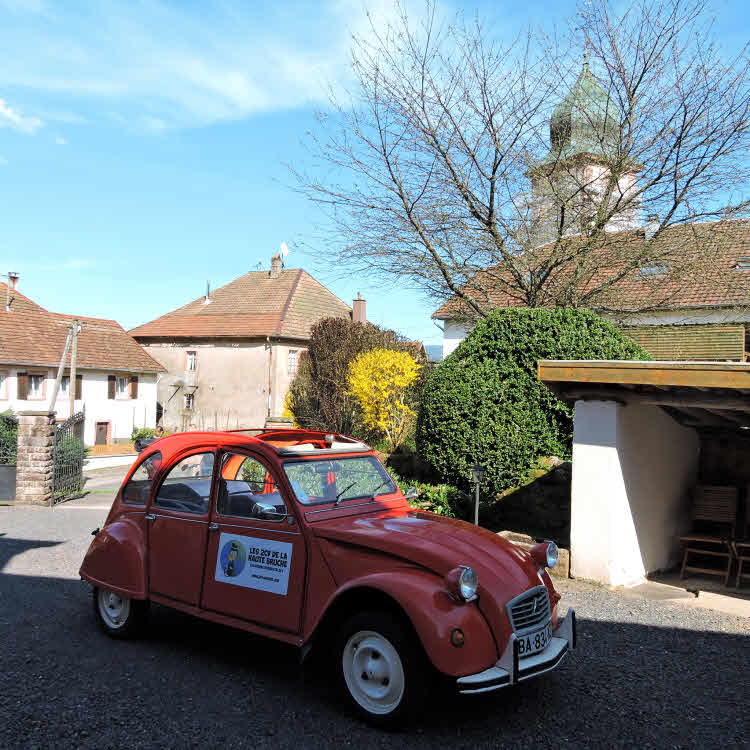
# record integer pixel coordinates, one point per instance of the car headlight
(545, 554)
(463, 582)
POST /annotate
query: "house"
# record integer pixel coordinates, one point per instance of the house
(699, 311)
(115, 382)
(231, 354)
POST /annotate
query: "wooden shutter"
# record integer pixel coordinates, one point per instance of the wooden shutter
(22, 380)
(79, 387)
(111, 383)
(134, 386)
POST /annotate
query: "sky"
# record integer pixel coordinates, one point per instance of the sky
(144, 145)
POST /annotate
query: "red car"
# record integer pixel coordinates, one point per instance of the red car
(304, 537)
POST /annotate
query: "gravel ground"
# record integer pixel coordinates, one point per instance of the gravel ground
(646, 673)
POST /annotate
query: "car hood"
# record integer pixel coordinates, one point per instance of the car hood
(441, 544)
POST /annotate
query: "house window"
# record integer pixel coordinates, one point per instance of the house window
(191, 361)
(292, 360)
(743, 263)
(121, 389)
(36, 386)
(189, 400)
(65, 385)
(3, 385)
(653, 269)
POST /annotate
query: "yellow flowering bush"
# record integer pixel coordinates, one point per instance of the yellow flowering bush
(379, 380)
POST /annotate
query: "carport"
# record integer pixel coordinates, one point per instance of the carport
(644, 434)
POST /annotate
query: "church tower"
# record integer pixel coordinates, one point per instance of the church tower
(568, 184)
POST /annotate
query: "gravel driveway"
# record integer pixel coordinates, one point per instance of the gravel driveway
(646, 674)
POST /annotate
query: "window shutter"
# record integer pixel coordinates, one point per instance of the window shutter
(22, 379)
(111, 381)
(79, 387)
(134, 386)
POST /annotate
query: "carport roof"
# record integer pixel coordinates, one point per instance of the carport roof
(704, 395)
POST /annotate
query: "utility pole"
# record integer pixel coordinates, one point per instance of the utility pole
(58, 379)
(73, 355)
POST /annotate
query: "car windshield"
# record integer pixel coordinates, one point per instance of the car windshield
(338, 479)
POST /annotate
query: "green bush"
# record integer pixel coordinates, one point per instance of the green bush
(441, 499)
(485, 405)
(8, 438)
(144, 432)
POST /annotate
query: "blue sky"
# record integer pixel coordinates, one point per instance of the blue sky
(142, 145)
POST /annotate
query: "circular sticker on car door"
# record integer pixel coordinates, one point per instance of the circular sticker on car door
(232, 558)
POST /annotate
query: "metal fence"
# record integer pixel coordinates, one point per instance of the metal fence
(8, 453)
(69, 455)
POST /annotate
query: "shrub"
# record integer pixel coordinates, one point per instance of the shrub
(441, 499)
(8, 438)
(380, 380)
(484, 404)
(319, 395)
(144, 432)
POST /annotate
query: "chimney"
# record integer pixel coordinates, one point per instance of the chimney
(651, 226)
(359, 310)
(276, 266)
(207, 299)
(13, 279)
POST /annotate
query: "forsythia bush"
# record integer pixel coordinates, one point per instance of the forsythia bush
(379, 380)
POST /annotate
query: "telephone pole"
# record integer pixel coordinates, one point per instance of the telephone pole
(73, 355)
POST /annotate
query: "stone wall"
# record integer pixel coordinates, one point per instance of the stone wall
(35, 461)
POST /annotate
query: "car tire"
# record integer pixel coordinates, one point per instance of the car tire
(381, 668)
(119, 616)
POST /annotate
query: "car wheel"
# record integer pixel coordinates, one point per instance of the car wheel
(381, 667)
(119, 616)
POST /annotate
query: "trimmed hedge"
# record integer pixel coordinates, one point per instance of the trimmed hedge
(485, 405)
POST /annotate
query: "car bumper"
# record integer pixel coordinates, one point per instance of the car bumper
(510, 669)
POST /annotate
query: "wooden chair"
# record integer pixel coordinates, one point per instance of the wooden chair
(714, 516)
(741, 546)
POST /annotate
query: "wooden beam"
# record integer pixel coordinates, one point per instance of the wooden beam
(677, 400)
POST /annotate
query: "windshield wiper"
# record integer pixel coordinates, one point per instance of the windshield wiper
(340, 496)
(373, 497)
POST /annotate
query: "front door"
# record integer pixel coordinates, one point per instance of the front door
(256, 559)
(178, 529)
(101, 433)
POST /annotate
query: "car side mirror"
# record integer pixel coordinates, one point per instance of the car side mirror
(412, 493)
(267, 512)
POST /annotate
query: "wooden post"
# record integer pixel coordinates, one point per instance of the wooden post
(73, 356)
(58, 379)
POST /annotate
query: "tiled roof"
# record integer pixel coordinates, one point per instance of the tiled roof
(707, 255)
(30, 335)
(252, 305)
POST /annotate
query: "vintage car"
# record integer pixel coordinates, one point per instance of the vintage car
(304, 537)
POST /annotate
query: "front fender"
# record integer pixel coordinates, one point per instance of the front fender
(116, 559)
(434, 614)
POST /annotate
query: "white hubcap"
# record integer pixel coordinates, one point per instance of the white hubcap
(113, 608)
(373, 672)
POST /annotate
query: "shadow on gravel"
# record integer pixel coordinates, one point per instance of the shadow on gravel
(10, 547)
(188, 682)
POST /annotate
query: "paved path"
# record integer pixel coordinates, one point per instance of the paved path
(647, 673)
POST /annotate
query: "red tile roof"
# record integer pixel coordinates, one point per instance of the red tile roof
(251, 306)
(702, 259)
(30, 335)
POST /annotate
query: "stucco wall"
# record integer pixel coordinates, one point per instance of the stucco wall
(121, 414)
(632, 469)
(453, 334)
(230, 385)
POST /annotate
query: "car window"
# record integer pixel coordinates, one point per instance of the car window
(137, 489)
(338, 479)
(188, 485)
(247, 490)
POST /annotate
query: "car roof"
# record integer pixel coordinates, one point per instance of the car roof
(282, 443)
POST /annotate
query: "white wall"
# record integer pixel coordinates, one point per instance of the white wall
(453, 334)
(632, 469)
(122, 414)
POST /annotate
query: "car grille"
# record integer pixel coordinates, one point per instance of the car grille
(530, 609)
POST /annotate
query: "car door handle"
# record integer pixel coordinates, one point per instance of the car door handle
(213, 527)
(150, 517)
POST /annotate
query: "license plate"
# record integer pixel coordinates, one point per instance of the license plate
(532, 643)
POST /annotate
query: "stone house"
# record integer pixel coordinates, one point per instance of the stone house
(115, 382)
(231, 354)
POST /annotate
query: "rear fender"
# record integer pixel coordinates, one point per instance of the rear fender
(116, 559)
(434, 614)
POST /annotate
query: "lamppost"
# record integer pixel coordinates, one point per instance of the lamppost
(477, 476)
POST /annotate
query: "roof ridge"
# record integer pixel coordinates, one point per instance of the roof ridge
(288, 302)
(324, 287)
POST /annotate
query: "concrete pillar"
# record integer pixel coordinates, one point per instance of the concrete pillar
(35, 461)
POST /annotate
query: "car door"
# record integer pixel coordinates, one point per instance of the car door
(256, 557)
(178, 528)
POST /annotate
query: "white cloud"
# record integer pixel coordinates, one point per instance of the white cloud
(163, 65)
(12, 118)
(60, 141)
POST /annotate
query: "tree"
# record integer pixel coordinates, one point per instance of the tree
(424, 169)
(485, 404)
(319, 397)
(380, 381)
